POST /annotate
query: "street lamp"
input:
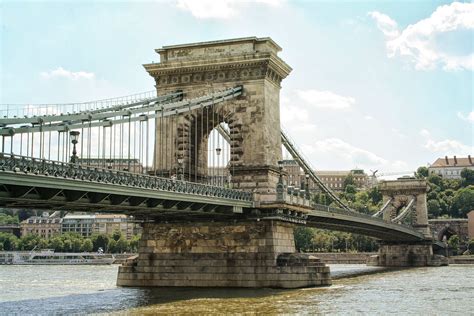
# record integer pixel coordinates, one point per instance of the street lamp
(74, 139)
(306, 186)
(218, 153)
(180, 170)
(280, 188)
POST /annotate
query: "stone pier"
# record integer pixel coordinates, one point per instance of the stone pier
(217, 254)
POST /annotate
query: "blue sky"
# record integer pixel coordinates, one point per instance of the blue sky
(376, 85)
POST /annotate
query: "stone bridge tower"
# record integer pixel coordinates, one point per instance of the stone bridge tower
(253, 118)
(399, 198)
(399, 194)
(254, 247)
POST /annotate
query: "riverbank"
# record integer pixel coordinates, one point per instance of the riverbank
(343, 257)
(461, 260)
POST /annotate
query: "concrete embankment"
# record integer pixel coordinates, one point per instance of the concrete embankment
(121, 257)
(343, 257)
(461, 260)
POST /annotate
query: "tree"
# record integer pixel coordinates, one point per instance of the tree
(8, 241)
(43, 243)
(112, 246)
(100, 241)
(467, 177)
(435, 179)
(350, 188)
(470, 246)
(28, 242)
(463, 201)
(122, 245)
(303, 238)
(434, 209)
(453, 242)
(116, 235)
(67, 245)
(87, 245)
(421, 173)
(349, 180)
(375, 195)
(56, 243)
(8, 219)
(134, 242)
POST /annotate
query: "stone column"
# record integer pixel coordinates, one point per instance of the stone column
(422, 215)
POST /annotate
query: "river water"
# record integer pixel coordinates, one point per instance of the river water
(91, 290)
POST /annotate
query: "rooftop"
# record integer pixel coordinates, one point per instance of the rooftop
(453, 162)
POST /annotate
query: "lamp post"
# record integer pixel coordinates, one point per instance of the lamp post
(74, 139)
(218, 153)
(306, 186)
(280, 188)
(180, 170)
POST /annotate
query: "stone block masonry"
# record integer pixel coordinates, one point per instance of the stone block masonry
(217, 254)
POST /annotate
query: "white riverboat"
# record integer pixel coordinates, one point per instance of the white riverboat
(49, 257)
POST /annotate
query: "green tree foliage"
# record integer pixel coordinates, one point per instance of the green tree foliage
(467, 176)
(87, 245)
(435, 179)
(117, 234)
(453, 242)
(463, 201)
(470, 246)
(319, 240)
(303, 238)
(134, 243)
(434, 209)
(122, 245)
(421, 173)
(8, 241)
(375, 195)
(56, 243)
(6, 219)
(349, 180)
(112, 246)
(100, 241)
(69, 242)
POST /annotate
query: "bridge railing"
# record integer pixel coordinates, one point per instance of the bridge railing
(43, 167)
(331, 209)
(20, 110)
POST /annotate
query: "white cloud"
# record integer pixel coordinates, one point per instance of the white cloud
(448, 147)
(469, 117)
(60, 72)
(338, 147)
(388, 26)
(222, 9)
(398, 133)
(420, 42)
(295, 119)
(368, 117)
(325, 99)
(425, 133)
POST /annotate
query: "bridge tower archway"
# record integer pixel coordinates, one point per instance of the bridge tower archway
(253, 117)
(406, 193)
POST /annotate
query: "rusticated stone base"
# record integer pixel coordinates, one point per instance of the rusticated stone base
(245, 254)
(406, 255)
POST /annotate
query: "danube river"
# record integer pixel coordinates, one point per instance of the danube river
(91, 290)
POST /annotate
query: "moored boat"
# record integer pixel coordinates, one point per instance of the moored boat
(49, 257)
